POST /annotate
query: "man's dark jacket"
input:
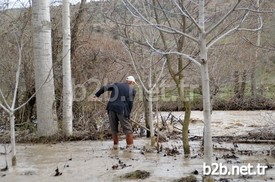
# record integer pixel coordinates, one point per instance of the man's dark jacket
(121, 99)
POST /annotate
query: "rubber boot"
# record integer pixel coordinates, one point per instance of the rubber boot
(115, 139)
(129, 141)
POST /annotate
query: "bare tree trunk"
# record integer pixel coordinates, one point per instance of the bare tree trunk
(253, 79)
(75, 29)
(208, 148)
(206, 113)
(12, 129)
(185, 101)
(150, 105)
(184, 94)
(243, 84)
(42, 55)
(67, 75)
(75, 44)
(146, 112)
(185, 127)
(236, 84)
(151, 121)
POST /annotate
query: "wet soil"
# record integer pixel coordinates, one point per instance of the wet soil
(96, 161)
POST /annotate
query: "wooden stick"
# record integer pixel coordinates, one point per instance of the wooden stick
(139, 124)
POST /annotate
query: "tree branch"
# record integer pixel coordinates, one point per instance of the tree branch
(6, 109)
(182, 12)
(255, 29)
(32, 96)
(223, 18)
(161, 71)
(4, 99)
(254, 10)
(220, 37)
(20, 46)
(160, 27)
(237, 28)
(172, 52)
(188, 15)
(135, 68)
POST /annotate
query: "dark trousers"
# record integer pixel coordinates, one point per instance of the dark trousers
(115, 118)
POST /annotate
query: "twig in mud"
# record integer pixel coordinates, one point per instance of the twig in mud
(70, 158)
(67, 165)
(57, 172)
(120, 165)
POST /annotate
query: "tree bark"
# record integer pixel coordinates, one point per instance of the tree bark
(253, 79)
(151, 121)
(67, 75)
(185, 127)
(206, 113)
(185, 101)
(12, 129)
(42, 56)
(75, 29)
(75, 44)
(208, 148)
(236, 85)
(146, 112)
(243, 85)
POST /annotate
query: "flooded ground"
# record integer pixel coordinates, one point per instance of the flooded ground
(95, 161)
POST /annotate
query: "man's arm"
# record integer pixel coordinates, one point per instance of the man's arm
(103, 89)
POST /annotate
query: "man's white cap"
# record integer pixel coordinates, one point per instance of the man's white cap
(131, 78)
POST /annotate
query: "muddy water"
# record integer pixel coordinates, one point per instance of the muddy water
(228, 123)
(93, 160)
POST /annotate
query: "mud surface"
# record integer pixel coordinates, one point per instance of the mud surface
(96, 161)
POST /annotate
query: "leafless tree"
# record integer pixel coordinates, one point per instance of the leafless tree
(66, 67)
(42, 56)
(204, 34)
